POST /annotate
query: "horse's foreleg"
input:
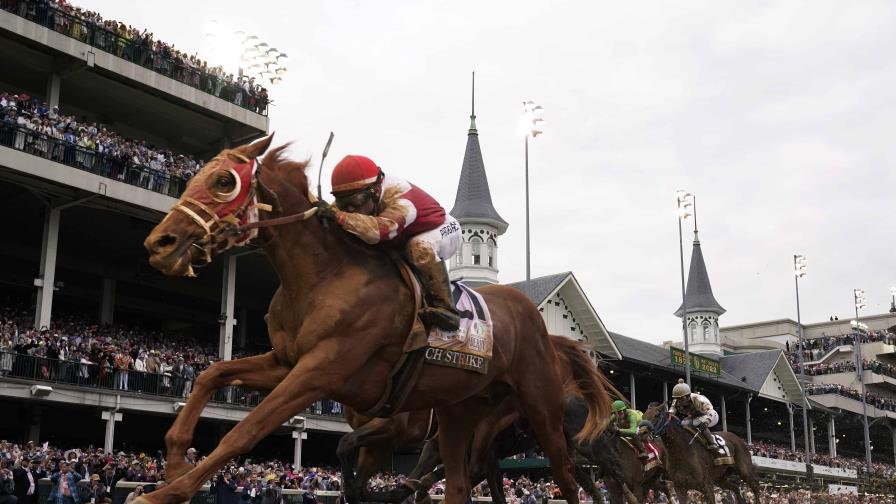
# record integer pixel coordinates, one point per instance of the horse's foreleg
(260, 372)
(303, 385)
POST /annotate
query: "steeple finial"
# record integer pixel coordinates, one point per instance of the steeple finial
(473, 107)
(696, 237)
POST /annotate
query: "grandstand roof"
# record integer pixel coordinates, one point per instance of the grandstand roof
(541, 289)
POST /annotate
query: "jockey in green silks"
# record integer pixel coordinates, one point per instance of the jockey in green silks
(626, 421)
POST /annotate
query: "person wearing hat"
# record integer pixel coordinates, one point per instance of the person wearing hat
(626, 421)
(697, 413)
(386, 210)
(64, 485)
(96, 492)
(26, 481)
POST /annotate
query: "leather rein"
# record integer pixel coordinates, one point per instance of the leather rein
(224, 232)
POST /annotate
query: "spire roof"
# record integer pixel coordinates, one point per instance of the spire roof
(473, 202)
(698, 296)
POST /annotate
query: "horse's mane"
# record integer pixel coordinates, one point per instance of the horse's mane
(290, 170)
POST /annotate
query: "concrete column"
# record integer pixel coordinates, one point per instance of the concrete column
(792, 433)
(893, 439)
(110, 417)
(832, 437)
(107, 304)
(631, 385)
(228, 288)
(54, 83)
(666, 392)
(47, 277)
(724, 410)
(34, 426)
(749, 426)
(298, 435)
(241, 327)
(811, 436)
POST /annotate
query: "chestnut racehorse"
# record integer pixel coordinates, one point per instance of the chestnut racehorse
(363, 451)
(338, 323)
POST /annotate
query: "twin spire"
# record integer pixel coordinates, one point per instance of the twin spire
(473, 202)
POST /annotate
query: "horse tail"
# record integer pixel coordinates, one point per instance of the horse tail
(590, 383)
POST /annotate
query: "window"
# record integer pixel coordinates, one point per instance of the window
(477, 250)
(459, 258)
(707, 330)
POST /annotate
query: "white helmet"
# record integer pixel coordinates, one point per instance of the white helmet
(681, 389)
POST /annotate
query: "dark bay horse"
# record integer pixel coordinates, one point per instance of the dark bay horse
(690, 466)
(338, 324)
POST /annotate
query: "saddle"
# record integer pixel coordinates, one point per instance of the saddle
(721, 458)
(468, 348)
(653, 454)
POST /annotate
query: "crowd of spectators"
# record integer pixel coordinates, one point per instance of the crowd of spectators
(875, 400)
(142, 48)
(825, 368)
(816, 348)
(81, 352)
(29, 125)
(770, 450)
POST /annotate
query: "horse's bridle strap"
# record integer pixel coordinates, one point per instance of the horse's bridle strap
(193, 215)
(307, 214)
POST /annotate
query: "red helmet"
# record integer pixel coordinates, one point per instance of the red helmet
(353, 173)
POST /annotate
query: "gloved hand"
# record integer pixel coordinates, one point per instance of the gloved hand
(325, 211)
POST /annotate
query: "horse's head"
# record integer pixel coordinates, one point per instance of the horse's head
(219, 199)
(657, 414)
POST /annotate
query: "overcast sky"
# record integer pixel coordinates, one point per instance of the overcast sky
(779, 116)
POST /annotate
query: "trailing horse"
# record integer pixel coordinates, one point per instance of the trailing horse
(338, 325)
(691, 467)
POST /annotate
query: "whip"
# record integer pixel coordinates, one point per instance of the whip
(320, 170)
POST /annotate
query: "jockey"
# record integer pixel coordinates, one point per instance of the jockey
(386, 210)
(698, 413)
(627, 421)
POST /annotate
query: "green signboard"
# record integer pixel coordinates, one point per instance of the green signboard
(699, 363)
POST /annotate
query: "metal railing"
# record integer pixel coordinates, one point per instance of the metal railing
(89, 160)
(103, 377)
(140, 51)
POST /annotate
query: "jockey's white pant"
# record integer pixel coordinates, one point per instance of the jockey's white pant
(436, 244)
(708, 420)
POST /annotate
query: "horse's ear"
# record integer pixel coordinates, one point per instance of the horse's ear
(256, 148)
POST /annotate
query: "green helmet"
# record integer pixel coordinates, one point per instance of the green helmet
(618, 405)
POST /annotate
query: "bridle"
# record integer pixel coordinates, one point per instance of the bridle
(229, 228)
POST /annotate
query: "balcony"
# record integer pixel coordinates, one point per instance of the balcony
(77, 44)
(146, 390)
(114, 169)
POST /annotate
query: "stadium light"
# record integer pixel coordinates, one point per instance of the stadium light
(800, 270)
(685, 204)
(859, 303)
(533, 125)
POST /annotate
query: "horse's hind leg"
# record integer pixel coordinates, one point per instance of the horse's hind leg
(456, 424)
(378, 438)
(545, 414)
(733, 488)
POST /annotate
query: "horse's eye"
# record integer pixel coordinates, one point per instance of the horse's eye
(223, 181)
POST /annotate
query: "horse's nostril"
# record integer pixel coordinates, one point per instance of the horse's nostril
(164, 241)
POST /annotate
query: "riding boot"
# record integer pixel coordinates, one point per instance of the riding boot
(642, 453)
(710, 439)
(441, 311)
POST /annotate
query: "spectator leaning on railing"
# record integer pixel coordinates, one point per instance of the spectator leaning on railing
(26, 124)
(141, 48)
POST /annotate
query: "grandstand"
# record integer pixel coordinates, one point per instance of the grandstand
(77, 212)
